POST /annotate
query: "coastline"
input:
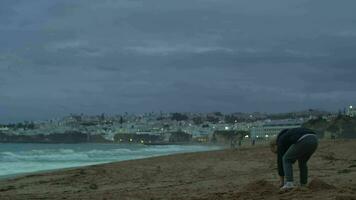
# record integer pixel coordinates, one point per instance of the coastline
(178, 148)
(248, 173)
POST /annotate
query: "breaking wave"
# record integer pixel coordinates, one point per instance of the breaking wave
(26, 158)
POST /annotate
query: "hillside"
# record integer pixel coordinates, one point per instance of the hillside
(340, 127)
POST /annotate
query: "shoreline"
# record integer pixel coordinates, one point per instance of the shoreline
(21, 174)
(221, 146)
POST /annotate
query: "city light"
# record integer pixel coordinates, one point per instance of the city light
(350, 107)
(226, 128)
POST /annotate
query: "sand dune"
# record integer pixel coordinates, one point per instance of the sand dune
(249, 173)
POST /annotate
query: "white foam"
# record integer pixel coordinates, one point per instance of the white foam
(18, 158)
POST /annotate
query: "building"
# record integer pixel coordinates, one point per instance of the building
(351, 111)
(272, 128)
(4, 129)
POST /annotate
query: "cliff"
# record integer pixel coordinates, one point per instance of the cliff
(174, 138)
(340, 127)
(228, 137)
(67, 137)
(136, 138)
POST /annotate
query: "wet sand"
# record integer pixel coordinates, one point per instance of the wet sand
(248, 173)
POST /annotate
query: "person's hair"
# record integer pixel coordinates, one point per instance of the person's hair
(273, 140)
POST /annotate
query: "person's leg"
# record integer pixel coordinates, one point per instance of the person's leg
(288, 159)
(300, 151)
(303, 172)
(309, 146)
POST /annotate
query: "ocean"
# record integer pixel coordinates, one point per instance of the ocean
(16, 159)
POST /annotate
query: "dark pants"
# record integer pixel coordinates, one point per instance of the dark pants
(300, 151)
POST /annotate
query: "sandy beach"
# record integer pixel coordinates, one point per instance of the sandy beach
(248, 173)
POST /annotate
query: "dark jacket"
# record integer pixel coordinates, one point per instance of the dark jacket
(285, 139)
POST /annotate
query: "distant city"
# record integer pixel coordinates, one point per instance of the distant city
(163, 128)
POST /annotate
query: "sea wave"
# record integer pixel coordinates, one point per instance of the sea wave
(26, 158)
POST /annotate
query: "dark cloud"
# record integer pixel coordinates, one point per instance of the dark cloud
(62, 56)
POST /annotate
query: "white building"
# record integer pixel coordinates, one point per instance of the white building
(351, 111)
(272, 128)
(4, 129)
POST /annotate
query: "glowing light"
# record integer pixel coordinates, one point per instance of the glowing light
(266, 135)
(130, 140)
(351, 107)
(142, 141)
(226, 128)
(246, 136)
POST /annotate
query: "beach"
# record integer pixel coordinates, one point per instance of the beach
(17, 159)
(246, 173)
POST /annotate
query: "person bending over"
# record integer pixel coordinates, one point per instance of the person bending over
(291, 145)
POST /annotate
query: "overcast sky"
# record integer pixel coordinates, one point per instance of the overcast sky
(84, 56)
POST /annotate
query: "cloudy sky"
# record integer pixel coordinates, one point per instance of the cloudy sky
(84, 56)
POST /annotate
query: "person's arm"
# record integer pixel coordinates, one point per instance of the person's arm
(280, 152)
(281, 149)
(280, 167)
